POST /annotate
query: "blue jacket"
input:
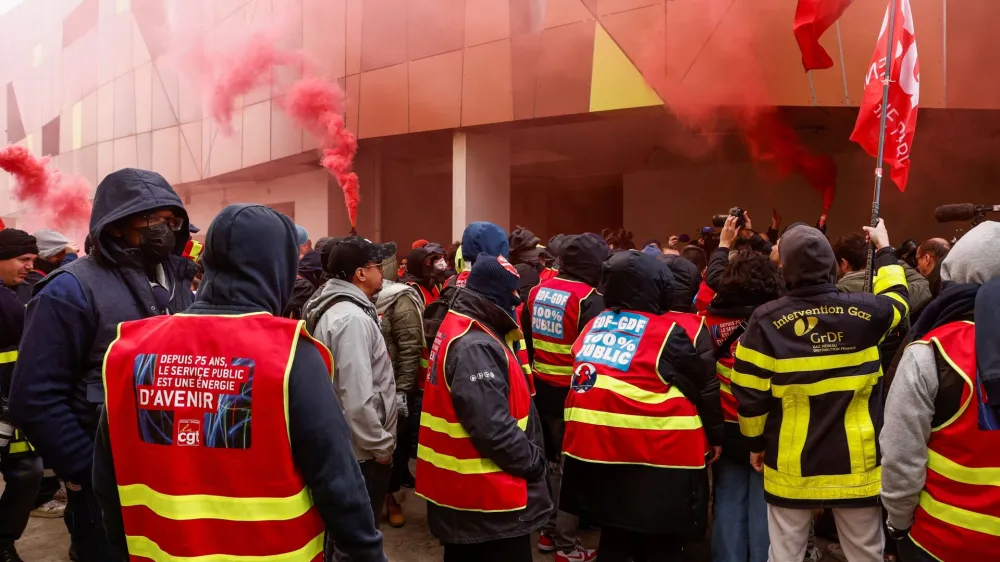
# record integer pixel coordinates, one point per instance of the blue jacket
(250, 263)
(72, 318)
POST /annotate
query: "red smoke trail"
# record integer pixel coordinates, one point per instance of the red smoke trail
(60, 201)
(773, 143)
(318, 106)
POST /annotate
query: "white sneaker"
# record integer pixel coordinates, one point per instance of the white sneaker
(578, 554)
(813, 554)
(50, 510)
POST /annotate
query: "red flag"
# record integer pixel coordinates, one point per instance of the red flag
(812, 19)
(904, 95)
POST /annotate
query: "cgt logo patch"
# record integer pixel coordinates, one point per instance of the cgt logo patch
(805, 325)
(584, 377)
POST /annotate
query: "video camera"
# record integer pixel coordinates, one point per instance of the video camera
(719, 221)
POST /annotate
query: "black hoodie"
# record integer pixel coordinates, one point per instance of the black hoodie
(74, 315)
(250, 261)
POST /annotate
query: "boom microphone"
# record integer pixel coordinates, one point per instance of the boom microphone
(963, 212)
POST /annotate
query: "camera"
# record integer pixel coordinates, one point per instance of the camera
(719, 221)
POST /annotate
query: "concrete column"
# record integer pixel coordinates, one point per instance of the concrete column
(480, 185)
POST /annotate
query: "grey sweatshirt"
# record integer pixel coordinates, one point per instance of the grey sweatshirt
(909, 408)
(343, 319)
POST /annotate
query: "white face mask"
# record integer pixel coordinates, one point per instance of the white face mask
(440, 265)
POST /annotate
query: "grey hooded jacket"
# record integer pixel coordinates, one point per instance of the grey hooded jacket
(341, 316)
(910, 407)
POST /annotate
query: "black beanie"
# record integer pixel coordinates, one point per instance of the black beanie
(14, 243)
(494, 278)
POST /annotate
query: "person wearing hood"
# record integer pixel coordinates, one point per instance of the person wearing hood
(19, 463)
(307, 282)
(478, 413)
(687, 281)
(138, 230)
(524, 248)
(635, 446)
(344, 318)
(552, 318)
(739, 530)
(156, 473)
(479, 237)
(400, 314)
(940, 444)
(302, 237)
(808, 384)
(424, 268)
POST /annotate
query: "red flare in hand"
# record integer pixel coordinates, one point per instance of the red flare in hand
(318, 107)
(61, 200)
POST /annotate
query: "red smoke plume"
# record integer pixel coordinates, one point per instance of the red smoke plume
(774, 144)
(59, 200)
(318, 106)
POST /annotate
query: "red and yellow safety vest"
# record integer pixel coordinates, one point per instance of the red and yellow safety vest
(522, 351)
(721, 328)
(197, 417)
(619, 410)
(555, 324)
(450, 471)
(548, 273)
(958, 517)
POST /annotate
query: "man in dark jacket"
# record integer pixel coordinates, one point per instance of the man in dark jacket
(308, 280)
(581, 257)
(250, 262)
(477, 371)
(687, 280)
(138, 228)
(20, 465)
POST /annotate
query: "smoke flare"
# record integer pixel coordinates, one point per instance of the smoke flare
(56, 199)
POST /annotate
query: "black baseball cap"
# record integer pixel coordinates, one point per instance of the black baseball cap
(350, 253)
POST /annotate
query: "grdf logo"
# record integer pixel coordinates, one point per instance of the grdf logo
(805, 325)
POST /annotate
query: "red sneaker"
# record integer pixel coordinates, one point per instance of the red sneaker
(578, 554)
(545, 544)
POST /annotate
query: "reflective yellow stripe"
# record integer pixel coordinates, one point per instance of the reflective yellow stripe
(793, 432)
(424, 363)
(827, 487)
(630, 421)
(452, 464)
(752, 427)
(526, 369)
(750, 381)
(852, 383)
(540, 345)
(8, 357)
(201, 506)
(959, 473)
(634, 392)
(888, 277)
(725, 388)
(896, 316)
(860, 431)
(455, 430)
(723, 370)
(553, 369)
(799, 364)
(143, 547)
(960, 517)
(20, 447)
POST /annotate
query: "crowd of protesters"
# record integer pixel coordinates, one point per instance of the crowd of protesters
(263, 396)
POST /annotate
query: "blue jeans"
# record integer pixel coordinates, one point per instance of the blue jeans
(740, 527)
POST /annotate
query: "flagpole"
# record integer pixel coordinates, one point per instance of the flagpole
(877, 199)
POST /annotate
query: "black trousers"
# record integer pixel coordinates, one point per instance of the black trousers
(377, 482)
(516, 549)
(86, 527)
(22, 476)
(401, 457)
(909, 552)
(619, 545)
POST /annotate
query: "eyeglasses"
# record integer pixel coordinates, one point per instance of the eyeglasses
(173, 223)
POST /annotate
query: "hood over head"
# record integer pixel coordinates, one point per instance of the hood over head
(807, 258)
(415, 264)
(687, 281)
(130, 191)
(634, 281)
(974, 258)
(581, 258)
(524, 247)
(652, 250)
(484, 237)
(529, 278)
(250, 259)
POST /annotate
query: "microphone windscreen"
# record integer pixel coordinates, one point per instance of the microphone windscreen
(955, 213)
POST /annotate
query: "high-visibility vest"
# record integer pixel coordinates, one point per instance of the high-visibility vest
(619, 410)
(451, 472)
(555, 324)
(521, 351)
(18, 443)
(548, 273)
(721, 328)
(958, 517)
(197, 417)
(426, 295)
(457, 280)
